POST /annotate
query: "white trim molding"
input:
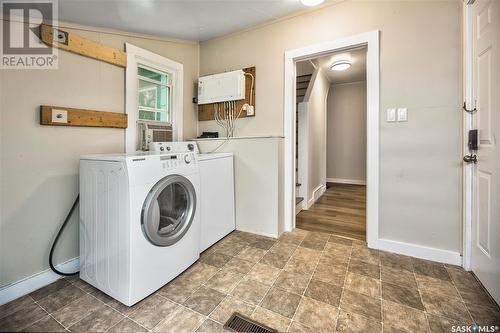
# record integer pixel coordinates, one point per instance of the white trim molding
(316, 194)
(371, 40)
(346, 181)
(137, 56)
(468, 122)
(36, 281)
(419, 251)
(303, 153)
(265, 234)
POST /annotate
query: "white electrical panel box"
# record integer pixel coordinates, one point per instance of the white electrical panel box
(223, 87)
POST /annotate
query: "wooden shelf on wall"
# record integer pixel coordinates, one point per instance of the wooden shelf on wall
(81, 117)
(206, 111)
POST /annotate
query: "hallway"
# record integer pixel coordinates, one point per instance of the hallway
(341, 210)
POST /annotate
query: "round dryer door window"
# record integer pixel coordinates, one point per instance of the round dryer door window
(168, 210)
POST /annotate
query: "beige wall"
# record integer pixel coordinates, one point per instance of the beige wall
(316, 113)
(39, 164)
(420, 61)
(420, 182)
(346, 132)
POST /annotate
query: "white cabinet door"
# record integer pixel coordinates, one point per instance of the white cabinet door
(217, 199)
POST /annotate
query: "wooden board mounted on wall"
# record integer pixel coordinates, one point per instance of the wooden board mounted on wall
(206, 111)
(62, 116)
(73, 43)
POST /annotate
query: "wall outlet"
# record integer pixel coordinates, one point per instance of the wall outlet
(402, 114)
(59, 116)
(391, 115)
(250, 110)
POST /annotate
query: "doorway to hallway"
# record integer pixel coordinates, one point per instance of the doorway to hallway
(292, 57)
(341, 210)
(331, 121)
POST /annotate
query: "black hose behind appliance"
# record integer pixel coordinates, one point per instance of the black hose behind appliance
(66, 220)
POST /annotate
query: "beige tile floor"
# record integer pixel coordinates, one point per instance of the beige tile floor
(303, 282)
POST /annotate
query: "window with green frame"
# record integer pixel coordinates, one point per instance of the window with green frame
(154, 95)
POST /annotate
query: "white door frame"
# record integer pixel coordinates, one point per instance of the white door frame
(468, 123)
(371, 40)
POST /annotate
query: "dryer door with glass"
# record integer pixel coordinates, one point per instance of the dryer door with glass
(168, 210)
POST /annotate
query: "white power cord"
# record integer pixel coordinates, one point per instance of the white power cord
(227, 117)
(219, 146)
(227, 120)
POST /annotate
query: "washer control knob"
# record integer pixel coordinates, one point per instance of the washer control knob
(162, 148)
(190, 146)
(188, 158)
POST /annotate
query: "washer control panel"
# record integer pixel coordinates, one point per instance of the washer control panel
(184, 160)
(174, 147)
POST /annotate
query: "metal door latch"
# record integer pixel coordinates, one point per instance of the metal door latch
(470, 158)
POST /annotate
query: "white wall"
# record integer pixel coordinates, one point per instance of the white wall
(256, 180)
(316, 112)
(346, 132)
(420, 63)
(304, 68)
(39, 164)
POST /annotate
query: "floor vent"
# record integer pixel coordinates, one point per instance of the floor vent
(239, 323)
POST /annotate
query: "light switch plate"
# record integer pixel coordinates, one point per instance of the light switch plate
(391, 115)
(402, 114)
(59, 116)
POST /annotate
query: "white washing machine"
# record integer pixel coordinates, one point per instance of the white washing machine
(217, 192)
(139, 220)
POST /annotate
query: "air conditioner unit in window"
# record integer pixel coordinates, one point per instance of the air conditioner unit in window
(153, 131)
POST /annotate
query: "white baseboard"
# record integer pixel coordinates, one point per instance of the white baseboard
(317, 193)
(265, 234)
(36, 281)
(309, 204)
(419, 251)
(346, 181)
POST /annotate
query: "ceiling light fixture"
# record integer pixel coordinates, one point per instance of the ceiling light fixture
(340, 65)
(311, 3)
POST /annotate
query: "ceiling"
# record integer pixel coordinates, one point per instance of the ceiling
(196, 20)
(357, 71)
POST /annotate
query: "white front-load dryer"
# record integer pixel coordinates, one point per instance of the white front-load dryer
(139, 221)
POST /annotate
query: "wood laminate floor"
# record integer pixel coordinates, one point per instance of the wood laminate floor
(341, 210)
